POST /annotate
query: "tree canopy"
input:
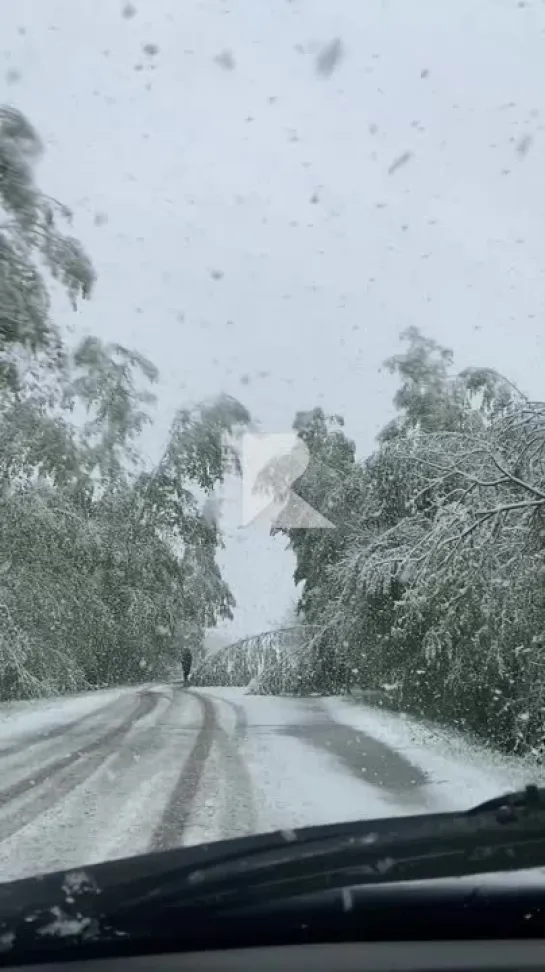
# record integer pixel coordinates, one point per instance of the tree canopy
(102, 559)
(431, 586)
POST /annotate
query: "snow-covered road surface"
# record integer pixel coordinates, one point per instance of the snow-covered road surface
(116, 773)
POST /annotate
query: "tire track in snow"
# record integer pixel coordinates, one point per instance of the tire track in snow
(175, 817)
(365, 757)
(238, 815)
(114, 810)
(24, 740)
(217, 773)
(59, 778)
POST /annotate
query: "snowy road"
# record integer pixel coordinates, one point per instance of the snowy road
(115, 773)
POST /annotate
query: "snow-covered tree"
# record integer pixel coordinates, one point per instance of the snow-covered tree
(101, 559)
(30, 241)
(433, 591)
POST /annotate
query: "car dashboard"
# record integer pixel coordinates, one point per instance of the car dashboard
(442, 926)
(444, 956)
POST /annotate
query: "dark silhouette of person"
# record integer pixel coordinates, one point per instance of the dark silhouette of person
(187, 659)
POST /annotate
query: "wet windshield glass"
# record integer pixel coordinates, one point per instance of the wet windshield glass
(272, 439)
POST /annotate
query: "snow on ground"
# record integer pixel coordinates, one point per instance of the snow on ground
(37, 715)
(292, 784)
(107, 803)
(118, 773)
(462, 770)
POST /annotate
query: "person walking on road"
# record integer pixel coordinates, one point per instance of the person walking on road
(187, 659)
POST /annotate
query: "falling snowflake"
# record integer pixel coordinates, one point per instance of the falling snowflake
(329, 58)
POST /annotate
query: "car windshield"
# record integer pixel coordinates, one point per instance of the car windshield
(272, 417)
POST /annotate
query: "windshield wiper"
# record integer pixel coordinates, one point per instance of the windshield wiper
(189, 891)
(504, 834)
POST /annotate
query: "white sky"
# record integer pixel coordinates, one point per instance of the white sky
(202, 169)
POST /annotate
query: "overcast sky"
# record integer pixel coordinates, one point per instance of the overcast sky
(264, 229)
